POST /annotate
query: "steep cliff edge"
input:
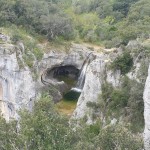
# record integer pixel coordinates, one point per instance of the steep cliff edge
(20, 84)
(17, 86)
(114, 95)
(96, 74)
(146, 98)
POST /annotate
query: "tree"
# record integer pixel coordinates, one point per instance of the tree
(123, 62)
(123, 6)
(44, 128)
(8, 134)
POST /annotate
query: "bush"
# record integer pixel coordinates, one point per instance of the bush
(45, 128)
(136, 106)
(117, 137)
(115, 42)
(123, 63)
(111, 137)
(126, 101)
(119, 99)
(15, 38)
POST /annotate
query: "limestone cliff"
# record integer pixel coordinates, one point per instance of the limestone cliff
(146, 98)
(17, 88)
(96, 73)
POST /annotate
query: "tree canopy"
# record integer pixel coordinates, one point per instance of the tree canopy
(45, 129)
(111, 22)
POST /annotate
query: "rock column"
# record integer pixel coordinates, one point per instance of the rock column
(146, 97)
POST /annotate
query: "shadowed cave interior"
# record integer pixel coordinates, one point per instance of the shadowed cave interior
(69, 74)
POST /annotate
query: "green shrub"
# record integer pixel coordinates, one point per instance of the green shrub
(119, 99)
(15, 38)
(45, 128)
(126, 101)
(136, 106)
(28, 60)
(38, 53)
(111, 137)
(117, 137)
(123, 63)
(143, 71)
(115, 42)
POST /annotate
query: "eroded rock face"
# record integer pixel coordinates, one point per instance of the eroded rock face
(96, 74)
(55, 62)
(17, 88)
(91, 90)
(146, 98)
(75, 57)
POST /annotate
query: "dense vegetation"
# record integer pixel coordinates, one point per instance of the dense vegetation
(125, 101)
(45, 129)
(109, 22)
(123, 63)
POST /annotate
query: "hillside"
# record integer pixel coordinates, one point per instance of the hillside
(74, 74)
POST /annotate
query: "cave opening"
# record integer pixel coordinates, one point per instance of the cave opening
(72, 77)
(69, 74)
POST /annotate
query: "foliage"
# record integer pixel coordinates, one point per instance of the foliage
(45, 128)
(142, 72)
(117, 14)
(107, 138)
(126, 101)
(41, 16)
(118, 137)
(136, 106)
(109, 22)
(8, 134)
(121, 96)
(123, 6)
(123, 63)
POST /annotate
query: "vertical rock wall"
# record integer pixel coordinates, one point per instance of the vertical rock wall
(95, 76)
(146, 98)
(16, 85)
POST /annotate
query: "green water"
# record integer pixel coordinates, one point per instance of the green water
(71, 96)
(68, 103)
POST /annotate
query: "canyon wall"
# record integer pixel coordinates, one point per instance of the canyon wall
(146, 97)
(96, 74)
(18, 88)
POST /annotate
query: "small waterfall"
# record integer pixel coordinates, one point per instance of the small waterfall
(81, 78)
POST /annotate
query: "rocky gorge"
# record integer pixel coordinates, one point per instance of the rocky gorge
(19, 88)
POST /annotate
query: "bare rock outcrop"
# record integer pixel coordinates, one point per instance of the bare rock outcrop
(146, 97)
(17, 88)
(96, 74)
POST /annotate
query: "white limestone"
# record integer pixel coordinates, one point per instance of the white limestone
(17, 88)
(95, 75)
(146, 97)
